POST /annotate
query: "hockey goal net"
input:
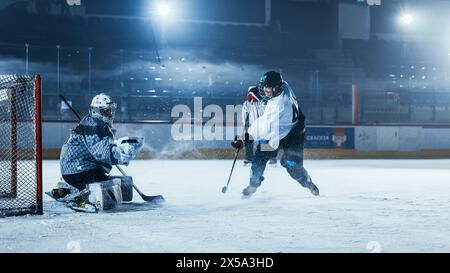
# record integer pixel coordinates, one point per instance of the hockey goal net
(20, 145)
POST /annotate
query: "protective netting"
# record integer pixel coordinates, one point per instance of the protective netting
(20, 162)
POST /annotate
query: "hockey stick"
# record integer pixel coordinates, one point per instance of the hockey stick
(224, 189)
(143, 196)
(70, 107)
(146, 198)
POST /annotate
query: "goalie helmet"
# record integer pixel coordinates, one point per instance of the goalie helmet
(102, 107)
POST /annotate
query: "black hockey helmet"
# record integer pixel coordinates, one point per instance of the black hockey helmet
(271, 79)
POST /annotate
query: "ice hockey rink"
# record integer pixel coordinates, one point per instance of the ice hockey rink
(365, 206)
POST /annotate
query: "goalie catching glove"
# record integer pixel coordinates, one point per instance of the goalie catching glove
(127, 148)
(120, 156)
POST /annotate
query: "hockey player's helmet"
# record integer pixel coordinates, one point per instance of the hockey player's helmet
(271, 79)
(103, 107)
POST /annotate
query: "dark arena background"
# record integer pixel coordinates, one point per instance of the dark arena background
(371, 77)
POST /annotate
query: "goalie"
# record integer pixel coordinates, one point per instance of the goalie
(90, 152)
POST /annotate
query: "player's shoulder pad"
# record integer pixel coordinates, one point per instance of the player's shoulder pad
(90, 126)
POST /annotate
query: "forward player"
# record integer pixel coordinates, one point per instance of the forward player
(281, 127)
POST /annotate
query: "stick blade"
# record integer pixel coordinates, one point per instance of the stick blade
(157, 199)
(224, 189)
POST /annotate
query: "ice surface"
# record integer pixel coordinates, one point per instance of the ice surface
(365, 206)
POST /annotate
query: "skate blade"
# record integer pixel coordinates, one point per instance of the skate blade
(85, 210)
(245, 197)
(89, 208)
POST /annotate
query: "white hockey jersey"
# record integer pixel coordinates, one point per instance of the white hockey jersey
(280, 115)
(252, 111)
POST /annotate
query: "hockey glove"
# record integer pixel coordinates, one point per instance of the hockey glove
(251, 96)
(237, 143)
(130, 145)
(121, 157)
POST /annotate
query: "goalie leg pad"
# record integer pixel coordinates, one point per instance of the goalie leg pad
(126, 187)
(106, 195)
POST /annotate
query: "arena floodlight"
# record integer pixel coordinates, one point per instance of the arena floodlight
(163, 9)
(406, 18)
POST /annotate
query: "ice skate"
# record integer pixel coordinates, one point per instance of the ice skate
(81, 203)
(248, 191)
(310, 185)
(63, 192)
(313, 188)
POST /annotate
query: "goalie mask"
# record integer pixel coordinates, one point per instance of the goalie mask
(103, 108)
